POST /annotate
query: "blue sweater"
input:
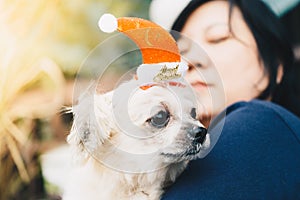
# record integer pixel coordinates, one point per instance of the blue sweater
(257, 156)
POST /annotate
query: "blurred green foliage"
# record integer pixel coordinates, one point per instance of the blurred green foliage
(75, 29)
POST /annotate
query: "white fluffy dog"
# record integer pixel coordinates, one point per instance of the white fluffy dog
(132, 142)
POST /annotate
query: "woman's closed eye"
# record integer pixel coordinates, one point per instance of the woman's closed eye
(217, 33)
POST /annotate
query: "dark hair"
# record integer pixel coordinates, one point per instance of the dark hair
(273, 46)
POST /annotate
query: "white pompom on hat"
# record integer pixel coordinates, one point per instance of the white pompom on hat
(108, 23)
(165, 12)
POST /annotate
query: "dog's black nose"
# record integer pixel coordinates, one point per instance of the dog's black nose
(198, 134)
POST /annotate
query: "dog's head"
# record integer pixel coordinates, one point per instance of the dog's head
(159, 121)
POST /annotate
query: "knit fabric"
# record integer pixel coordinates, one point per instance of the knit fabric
(257, 156)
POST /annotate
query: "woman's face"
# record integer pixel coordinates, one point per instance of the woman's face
(230, 69)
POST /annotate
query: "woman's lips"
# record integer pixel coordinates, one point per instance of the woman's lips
(200, 85)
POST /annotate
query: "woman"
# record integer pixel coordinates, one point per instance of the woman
(257, 155)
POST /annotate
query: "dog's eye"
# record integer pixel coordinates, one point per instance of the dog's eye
(193, 113)
(160, 119)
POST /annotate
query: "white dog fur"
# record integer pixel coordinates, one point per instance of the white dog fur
(111, 162)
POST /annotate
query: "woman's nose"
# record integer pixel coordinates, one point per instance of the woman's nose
(195, 65)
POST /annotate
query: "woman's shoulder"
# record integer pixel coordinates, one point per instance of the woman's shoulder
(261, 113)
(256, 122)
(259, 106)
(260, 122)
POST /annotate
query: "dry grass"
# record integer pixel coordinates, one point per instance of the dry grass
(31, 84)
(38, 40)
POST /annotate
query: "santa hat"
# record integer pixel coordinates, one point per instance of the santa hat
(160, 54)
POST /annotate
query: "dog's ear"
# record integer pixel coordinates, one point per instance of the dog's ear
(92, 124)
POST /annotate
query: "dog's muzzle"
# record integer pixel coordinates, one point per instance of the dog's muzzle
(196, 140)
(197, 134)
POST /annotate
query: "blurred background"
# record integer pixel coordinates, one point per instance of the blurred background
(42, 46)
